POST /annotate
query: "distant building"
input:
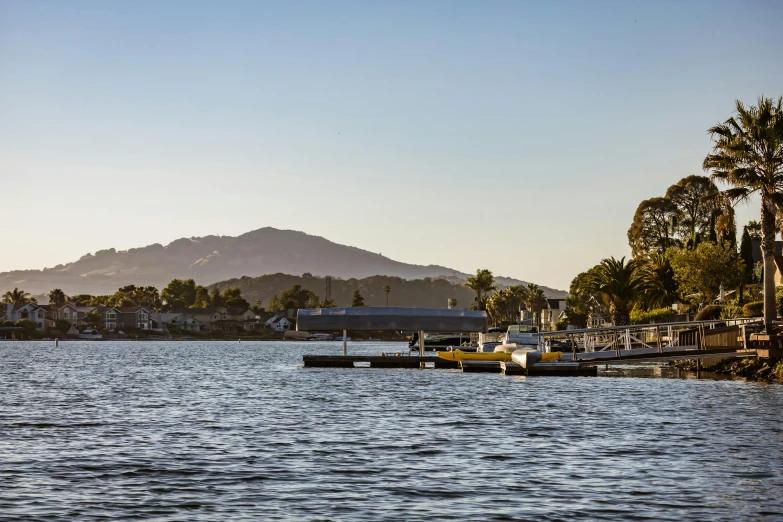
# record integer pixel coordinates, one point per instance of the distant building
(758, 257)
(279, 322)
(25, 312)
(117, 318)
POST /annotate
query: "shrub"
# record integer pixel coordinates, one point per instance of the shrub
(731, 311)
(651, 316)
(779, 300)
(561, 325)
(755, 309)
(709, 313)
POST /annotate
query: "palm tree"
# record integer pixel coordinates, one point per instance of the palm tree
(386, 290)
(619, 283)
(452, 303)
(535, 301)
(747, 153)
(482, 284)
(17, 296)
(57, 298)
(657, 275)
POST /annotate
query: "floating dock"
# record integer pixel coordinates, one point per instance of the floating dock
(399, 361)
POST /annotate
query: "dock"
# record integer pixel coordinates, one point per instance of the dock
(414, 362)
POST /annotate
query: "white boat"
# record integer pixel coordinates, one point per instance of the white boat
(90, 335)
(522, 335)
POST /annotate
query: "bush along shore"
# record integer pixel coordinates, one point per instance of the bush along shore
(752, 369)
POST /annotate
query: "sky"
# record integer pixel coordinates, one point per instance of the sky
(514, 136)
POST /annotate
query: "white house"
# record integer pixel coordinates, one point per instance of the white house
(27, 312)
(279, 323)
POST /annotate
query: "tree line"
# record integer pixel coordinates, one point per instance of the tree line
(684, 244)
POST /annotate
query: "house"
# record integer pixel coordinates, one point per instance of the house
(177, 322)
(238, 319)
(279, 322)
(25, 312)
(72, 313)
(552, 313)
(206, 316)
(120, 317)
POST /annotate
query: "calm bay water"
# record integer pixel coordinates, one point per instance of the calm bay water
(221, 430)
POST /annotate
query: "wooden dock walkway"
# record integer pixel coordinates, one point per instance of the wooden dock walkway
(554, 369)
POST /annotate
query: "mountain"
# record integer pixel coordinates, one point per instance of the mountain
(217, 258)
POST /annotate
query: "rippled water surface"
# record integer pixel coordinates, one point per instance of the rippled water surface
(220, 430)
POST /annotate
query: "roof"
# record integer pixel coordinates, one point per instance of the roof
(129, 309)
(392, 318)
(201, 311)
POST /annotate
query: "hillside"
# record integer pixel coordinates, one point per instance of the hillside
(217, 258)
(424, 293)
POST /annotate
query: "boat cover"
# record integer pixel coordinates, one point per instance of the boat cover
(391, 318)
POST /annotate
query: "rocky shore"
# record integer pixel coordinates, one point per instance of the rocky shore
(755, 369)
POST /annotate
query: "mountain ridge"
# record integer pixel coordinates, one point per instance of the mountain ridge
(212, 259)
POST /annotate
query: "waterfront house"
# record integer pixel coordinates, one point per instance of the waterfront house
(25, 312)
(177, 322)
(206, 316)
(120, 317)
(279, 322)
(72, 313)
(553, 312)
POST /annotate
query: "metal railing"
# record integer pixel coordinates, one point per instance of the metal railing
(687, 335)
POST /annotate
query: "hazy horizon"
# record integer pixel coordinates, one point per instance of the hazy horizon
(518, 137)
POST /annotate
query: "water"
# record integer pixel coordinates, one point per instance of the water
(229, 431)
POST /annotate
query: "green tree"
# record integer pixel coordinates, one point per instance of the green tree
(693, 196)
(660, 285)
(202, 299)
(57, 298)
(700, 272)
(654, 226)
(619, 284)
(179, 293)
(232, 298)
(387, 290)
(482, 283)
(452, 303)
(747, 154)
(746, 255)
(535, 301)
(298, 297)
(17, 296)
(754, 229)
(215, 299)
(357, 300)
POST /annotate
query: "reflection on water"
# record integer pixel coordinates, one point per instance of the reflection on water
(219, 430)
(660, 371)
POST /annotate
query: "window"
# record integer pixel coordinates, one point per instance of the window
(111, 315)
(142, 316)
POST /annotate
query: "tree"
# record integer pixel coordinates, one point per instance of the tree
(619, 283)
(746, 255)
(215, 299)
(232, 297)
(482, 284)
(700, 272)
(754, 229)
(57, 298)
(298, 297)
(357, 299)
(654, 226)
(179, 293)
(386, 290)
(657, 276)
(202, 299)
(535, 301)
(747, 153)
(17, 296)
(452, 303)
(692, 196)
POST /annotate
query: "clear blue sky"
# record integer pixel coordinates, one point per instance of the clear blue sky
(515, 136)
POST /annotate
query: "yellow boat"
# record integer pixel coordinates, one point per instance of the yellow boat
(459, 355)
